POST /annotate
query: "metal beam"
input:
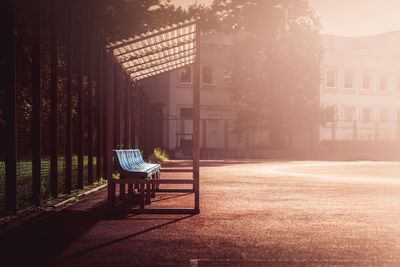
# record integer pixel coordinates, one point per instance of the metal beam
(196, 124)
(124, 43)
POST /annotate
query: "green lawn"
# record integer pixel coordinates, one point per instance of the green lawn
(24, 179)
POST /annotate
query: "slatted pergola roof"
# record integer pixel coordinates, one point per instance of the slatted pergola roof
(157, 51)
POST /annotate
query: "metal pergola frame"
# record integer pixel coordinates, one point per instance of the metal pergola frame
(145, 56)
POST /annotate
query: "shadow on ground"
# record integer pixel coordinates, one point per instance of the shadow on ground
(40, 242)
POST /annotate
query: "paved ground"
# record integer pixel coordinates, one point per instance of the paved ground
(252, 214)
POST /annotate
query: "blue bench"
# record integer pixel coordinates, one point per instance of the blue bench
(134, 170)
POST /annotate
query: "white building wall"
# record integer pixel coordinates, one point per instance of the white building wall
(377, 56)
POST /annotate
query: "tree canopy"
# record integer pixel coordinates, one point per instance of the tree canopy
(275, 65)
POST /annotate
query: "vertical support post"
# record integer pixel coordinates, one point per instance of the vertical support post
(135, 132)
(80, 108)
(107, 82)
(196, 124)
(132, 111)
(90, 110)
(117, 108)
(53, 126)
(68, 141)
(99, 119)
(109, 113)
(127, 126)
(136, 90)
(10, 111)
(36, 103)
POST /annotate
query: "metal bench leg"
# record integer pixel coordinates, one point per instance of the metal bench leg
(112, 195)
(122, 194)
(153, 185)
(130, 191)
(141, 189)
(148, 193)
(158, 175)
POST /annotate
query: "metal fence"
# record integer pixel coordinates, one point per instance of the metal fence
(53, 112)
(359, 130)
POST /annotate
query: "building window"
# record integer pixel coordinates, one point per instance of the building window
(207, 75)
(384, 116)
(330, 81)
(328, 115)
(367, 116)
(186, 113)
(185, 76)
(367, 81)
(348, 115)
(348, 80)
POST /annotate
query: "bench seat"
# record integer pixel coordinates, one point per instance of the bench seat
(132, 168)
(130, 163)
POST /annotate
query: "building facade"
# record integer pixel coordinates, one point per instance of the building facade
(218, 110)
(361, 86)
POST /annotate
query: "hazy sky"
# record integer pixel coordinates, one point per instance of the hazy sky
(349, 17)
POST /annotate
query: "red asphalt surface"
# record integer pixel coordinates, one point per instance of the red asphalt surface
(256, 213)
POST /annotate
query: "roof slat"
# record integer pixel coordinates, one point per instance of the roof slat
(158, 51)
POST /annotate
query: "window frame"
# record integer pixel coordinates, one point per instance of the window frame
(385, 91)
(335, 86)
(353, 83)
(212, 71)
(371, 122)
(345, 122)
(384, 122)
(184, 83)
(371, 82)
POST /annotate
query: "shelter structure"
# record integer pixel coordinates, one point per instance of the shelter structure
(145, 56)
(72, 97)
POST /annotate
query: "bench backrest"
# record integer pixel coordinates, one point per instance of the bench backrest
(126, 159)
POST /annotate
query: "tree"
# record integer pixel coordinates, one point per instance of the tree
(275, 64)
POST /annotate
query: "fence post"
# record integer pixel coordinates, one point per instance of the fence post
(54, 102)
(99, 107)
(90, 109)
(80, 141)
(10, 109)
(36, 102)
(68, 63)
(109, 110)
